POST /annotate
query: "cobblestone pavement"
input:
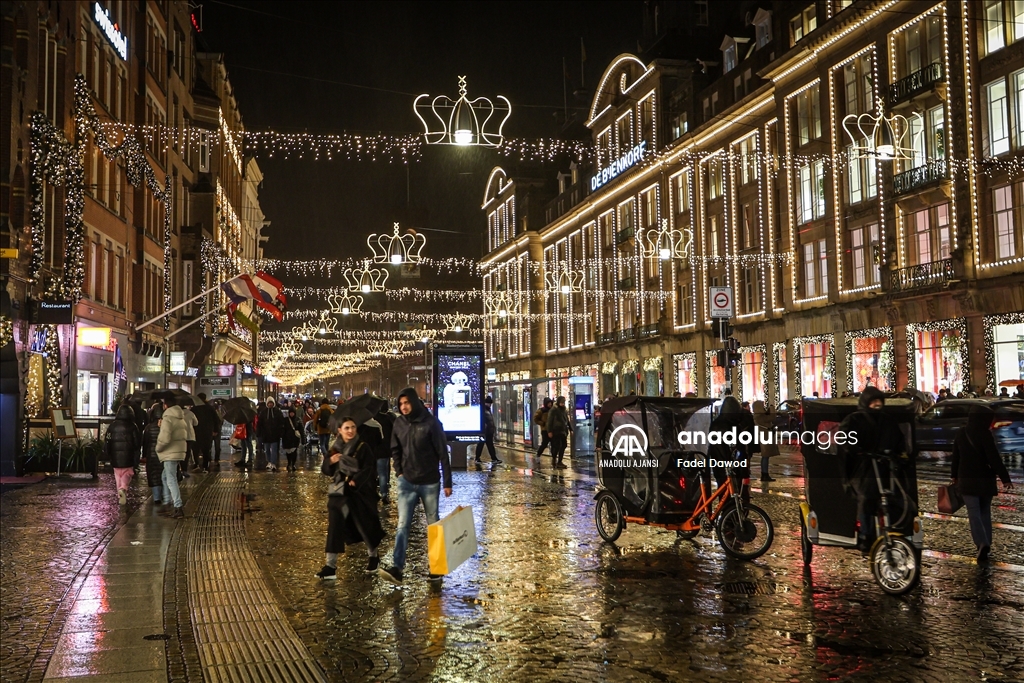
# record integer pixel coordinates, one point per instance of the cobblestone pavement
(546, 599)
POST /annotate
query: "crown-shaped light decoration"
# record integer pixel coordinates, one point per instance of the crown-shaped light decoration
(397, 249)
(457, 322)
(377, 348)
(666, 244)
(290, 348)
(305, 331)
(463, 121)
(564, 281)
(365, 279)
(879, 136)
(498, 304)
(345, 304)
(327, 323)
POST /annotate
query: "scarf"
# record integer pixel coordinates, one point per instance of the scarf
(348, 465)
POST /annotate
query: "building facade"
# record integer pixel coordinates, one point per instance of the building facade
(847, 267)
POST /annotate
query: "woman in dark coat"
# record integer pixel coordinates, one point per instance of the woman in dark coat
(122, 449)
(292, 437)
(976, 464)
(154, 469)
(351, 498)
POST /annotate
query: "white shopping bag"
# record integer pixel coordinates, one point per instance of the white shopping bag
(451, 541)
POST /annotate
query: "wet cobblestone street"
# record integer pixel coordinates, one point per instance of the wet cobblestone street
(545, 598)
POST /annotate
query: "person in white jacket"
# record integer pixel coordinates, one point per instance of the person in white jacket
(171, 447)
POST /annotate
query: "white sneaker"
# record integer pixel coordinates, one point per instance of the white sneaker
(122, 496)
(270, 467)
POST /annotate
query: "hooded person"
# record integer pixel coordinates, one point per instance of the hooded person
(731, 415)
(418, 450)
(876, 432)
(207, 429)
(292, 437)
(270, 425)
(763, 422)
(122, 444)
(171, 447)
(975, 466)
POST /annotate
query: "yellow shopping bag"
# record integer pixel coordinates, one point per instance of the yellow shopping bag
(451, 541)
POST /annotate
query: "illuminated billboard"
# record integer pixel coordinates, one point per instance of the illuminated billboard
(459, 390)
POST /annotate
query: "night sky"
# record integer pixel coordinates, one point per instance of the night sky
(289, 64)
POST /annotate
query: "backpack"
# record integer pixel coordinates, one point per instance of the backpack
(323, 420)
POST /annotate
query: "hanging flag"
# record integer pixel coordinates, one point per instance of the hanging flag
(239, 289)
(269, 294)
(244, 321)
(120, 375)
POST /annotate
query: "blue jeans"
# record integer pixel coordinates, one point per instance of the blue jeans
(273, 449)
(170, 480)
(325, 443)
(247, 454)
(408, 496)
(979, 514)
(384, 476)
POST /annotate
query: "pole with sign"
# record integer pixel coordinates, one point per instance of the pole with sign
(722, 309)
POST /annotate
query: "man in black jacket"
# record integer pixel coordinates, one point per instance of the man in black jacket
(207, 429)
(876, 433)
(418, 446)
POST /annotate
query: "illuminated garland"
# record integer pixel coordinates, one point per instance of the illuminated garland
(34, 396)
(609, 367)
(690, 356)
(51, 354)
(990, 323)
(830, 359)
(327, 267)
(890, 373)
(6, 331)
(402, 316)
(406, 148)
(777, 349)
(461, 295)
(708, 368)
(958, 324)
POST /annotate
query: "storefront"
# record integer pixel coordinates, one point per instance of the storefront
(815, 363)
(1004, 348)
(941, 355)
(249, 380)
(144, 370)
(869, 360)
(715, 376)
(653, 384)
(629, 378)
(686, 373)
(609, 384)
(96, 384)
(753, 380)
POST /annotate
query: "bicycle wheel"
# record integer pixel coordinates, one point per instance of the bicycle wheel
(895, 564)
(747, 534)
(608, 516)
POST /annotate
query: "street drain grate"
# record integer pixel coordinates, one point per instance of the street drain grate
(749, 588)
(156, 636)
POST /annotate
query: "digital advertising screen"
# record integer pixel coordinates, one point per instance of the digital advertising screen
(459, 389)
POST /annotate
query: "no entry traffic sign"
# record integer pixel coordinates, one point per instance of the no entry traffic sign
(721, 302)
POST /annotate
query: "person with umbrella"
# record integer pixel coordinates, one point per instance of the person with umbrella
(292, 437)
(351, 496)
(239, 412)
(269, 428)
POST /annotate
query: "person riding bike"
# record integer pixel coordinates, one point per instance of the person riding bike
(875, 433)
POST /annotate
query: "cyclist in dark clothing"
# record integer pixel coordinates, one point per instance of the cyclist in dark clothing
(875, 432)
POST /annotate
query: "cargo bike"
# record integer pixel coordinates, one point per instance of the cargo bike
(646, 476)
(828, 517)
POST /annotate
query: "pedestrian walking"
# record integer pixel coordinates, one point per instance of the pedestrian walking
(269, 428)
(154, 468)
(191, 422)
(292, 438)
(351, 498)
(763, 421)
(244, 434)
(540, 418)
(558, 431)
(122, 446)
(323, 424)
(418, 448)
(489, 431)
(171, 447)
(976, 465)
(207, 429)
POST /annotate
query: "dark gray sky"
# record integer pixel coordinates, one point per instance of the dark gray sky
(288, 63)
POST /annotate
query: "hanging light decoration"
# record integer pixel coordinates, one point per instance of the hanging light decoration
(877, 136)
(365, 279)
(345, 304)
(462, 122)
(457, 323)
(665, 244)
(397, 249)
(498, 303)
(562, 280)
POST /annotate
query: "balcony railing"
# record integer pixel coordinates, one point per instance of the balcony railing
(648, 331)
(626, 284)
(923, 275)
(606, 338)
(627, 334)
(919, 177)
(623, 235)
(920, 81)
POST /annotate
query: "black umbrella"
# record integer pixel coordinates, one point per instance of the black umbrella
(172, 396)
(344, 412)
(238, 411)
(370, 402)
